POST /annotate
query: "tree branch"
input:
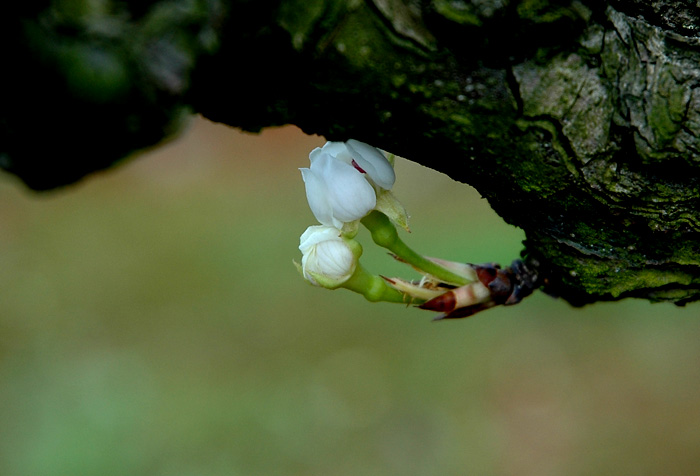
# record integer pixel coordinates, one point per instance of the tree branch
(578, 122)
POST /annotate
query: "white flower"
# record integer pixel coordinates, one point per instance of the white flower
(341, 181)
(327, 259)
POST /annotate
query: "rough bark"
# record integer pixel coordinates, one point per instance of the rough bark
(577, 120)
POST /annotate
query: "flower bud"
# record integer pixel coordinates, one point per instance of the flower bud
(328, 259)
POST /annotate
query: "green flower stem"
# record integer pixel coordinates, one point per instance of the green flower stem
(384, 234)
(372, 287)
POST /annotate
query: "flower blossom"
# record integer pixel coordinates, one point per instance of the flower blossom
(343, 181)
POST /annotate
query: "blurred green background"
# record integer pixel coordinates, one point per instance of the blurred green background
(152, 323)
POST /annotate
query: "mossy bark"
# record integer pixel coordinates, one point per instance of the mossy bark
(578, 121)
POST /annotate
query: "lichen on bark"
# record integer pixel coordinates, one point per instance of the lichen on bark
(578, 121)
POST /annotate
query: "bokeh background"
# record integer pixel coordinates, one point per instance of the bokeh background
(152, 323)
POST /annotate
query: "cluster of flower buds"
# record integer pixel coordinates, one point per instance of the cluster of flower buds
(345, 182)
(348, 184)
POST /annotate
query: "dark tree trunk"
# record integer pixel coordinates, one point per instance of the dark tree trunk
(577, 120)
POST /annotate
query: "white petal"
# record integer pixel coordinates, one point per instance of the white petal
(316, 234)
(372, 161)
(335, 259)
(318, 196)
(348, 193)
(338, 150)
(314, 154)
